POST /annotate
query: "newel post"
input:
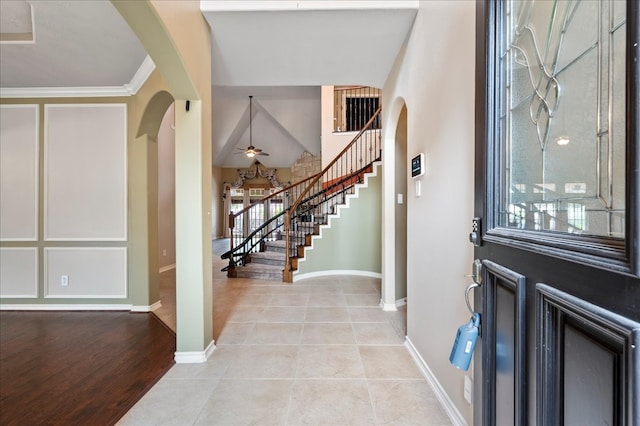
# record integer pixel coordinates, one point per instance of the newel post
(287, 275)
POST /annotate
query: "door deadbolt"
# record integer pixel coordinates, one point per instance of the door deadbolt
(475, 237)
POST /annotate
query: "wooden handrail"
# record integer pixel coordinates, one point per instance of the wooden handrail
(262, 200)
(315, 179)
(232, 216)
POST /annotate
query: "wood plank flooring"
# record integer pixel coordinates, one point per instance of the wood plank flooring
(78, 367)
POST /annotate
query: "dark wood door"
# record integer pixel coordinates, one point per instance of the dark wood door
(557, 192)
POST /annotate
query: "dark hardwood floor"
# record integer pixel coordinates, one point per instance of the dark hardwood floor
(78, 368)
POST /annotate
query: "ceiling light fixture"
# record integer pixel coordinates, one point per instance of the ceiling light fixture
(251, 151)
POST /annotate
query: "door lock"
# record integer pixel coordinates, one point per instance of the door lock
(475, 237)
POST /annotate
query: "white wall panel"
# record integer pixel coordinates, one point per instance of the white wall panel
(86, 172)
(92, 272)
(19, 272)
(19, 172)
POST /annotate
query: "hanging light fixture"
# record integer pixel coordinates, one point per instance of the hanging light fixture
(251, 151)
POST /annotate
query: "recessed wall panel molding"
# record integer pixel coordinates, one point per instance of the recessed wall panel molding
(19, 172)
(85, 272)
(85, 155)
(19, 272)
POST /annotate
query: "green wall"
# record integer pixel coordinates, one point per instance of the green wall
(353, 242)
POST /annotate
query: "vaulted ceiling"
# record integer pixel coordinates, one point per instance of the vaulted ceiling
(280, 52)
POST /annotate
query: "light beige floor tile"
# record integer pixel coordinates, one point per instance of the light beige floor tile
(376, 334)
(291, 299)
(247, 402)
(362, 299)
(325, 362)
(369, 314)
(253, 299)
(282, 314)
(330, 402)
(334, 300)
(275, 334)
(235, 333)
(263, 362)
(171, 402)
(245, 313)
(406, 402)
(215, 367)
(328, 334)
(327, 315)
(388, 362)
(361, 288)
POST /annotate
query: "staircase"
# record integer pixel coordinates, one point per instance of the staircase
(272, 250)
(264, 265)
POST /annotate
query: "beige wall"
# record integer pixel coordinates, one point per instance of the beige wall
(332, 143)
(434, 77)
(166, 192)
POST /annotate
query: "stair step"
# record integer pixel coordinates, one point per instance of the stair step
(279, 246)
(268, 258)
(260, 271)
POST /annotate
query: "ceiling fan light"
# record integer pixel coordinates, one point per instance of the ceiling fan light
(251, 154)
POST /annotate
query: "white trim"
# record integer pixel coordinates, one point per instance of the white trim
(388, 307)
(36, 108)
(196, 357)
(34, 295)
(143, 73)
(128, 89)
(447, 404)
(123, 278)
(167, 268)
(401, 302)
(149, 308)
(337, 272)
(63, 307)
(125, 190)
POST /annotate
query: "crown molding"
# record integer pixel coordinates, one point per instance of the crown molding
(129, 89)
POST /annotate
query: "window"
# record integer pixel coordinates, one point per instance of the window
(354, 106)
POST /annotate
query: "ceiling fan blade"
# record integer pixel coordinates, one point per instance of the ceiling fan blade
(261, 153)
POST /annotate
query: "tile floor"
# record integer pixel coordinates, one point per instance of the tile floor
(318, 352)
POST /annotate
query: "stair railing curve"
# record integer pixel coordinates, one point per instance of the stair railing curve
(243, 239)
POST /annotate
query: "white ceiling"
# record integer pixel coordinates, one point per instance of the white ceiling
(280, 52)
(77, 44)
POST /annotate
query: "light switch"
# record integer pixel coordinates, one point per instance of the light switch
(400, 199)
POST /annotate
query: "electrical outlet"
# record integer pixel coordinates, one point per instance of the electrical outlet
(468, 389)
(164, 252)
(64, 280)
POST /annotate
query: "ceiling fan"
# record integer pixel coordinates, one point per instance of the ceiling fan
(251, 151)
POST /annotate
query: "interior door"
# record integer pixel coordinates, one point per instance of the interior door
(557, 206)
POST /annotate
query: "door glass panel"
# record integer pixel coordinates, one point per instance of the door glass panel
(562, 116)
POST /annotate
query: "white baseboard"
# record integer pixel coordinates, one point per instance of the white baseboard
(388, 307)
(336, 272)
(401, 302)
(149, 308)
(167, 268)
(196, 357)
(447, 404)
(57, 307)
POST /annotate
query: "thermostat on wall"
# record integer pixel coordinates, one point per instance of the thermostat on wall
(417, 165)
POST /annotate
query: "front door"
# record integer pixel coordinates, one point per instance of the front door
(557, 206)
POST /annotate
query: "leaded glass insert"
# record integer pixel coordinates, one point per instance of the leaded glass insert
(562, 116)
